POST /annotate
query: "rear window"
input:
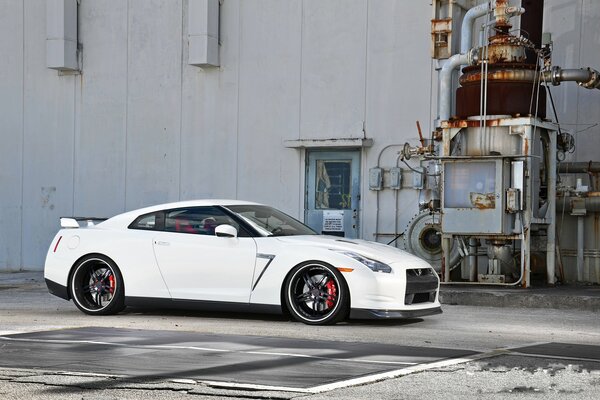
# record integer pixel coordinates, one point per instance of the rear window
(152, 221)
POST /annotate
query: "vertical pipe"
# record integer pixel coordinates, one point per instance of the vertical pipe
(446, 83)
(580, 248)
(551, 213)
(472, 259)
(526, 257)
(527, 150)
(446, 245)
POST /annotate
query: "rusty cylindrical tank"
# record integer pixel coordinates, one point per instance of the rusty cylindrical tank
(512, 83)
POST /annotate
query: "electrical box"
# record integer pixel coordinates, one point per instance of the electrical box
(474, 200)
(513, 200)
(395, 178)
(418, 178)
(375, 178)
(61, 35)
(203, 33)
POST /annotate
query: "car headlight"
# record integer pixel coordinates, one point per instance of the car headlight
(373, 265)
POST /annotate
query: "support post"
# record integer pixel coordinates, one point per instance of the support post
(580, 241)
(551, 215)
(446, 246)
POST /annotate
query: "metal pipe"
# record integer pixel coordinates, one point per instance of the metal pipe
(466, 30)
(551, 243)
(580, 248)
(446, 246)
(592, 204)
(472, 260)
(588, 78)
(446, 83)
(579, 167)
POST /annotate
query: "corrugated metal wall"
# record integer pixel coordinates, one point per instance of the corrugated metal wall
(140, 126)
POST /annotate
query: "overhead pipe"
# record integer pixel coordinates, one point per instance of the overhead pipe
(588, 78)
(579, 167)
(592, 204)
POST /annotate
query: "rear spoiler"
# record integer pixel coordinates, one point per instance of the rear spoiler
(78, 222)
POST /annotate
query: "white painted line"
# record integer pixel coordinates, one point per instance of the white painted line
(402, 372)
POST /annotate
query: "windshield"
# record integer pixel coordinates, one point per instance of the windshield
(271, 222)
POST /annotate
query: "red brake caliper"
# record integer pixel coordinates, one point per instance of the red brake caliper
(111, 281)
(332, 292)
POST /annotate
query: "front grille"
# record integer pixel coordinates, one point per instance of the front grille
(417, 298)
(421, 286)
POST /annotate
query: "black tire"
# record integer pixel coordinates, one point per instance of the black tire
(96, 286)
(316, 294)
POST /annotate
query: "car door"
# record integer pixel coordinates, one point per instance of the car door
(198, 265)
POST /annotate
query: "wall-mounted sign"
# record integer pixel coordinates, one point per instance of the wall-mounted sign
(333, 221)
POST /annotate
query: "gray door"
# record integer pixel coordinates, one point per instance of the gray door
(333, 192)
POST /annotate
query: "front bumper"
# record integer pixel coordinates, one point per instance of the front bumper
(361, 313)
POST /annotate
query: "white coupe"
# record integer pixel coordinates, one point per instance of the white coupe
(229, 255)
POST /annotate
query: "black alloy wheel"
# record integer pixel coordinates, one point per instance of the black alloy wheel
(316, 294)
(96, 286)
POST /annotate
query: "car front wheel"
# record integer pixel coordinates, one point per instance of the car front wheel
(316, 294)
(97, 286)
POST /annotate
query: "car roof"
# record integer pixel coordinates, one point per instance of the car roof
(124, 219)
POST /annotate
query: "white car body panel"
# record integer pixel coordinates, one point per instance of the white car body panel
(244, 270)
(193, 267)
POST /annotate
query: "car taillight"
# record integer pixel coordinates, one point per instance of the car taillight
(57, 242)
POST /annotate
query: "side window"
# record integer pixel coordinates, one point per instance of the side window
(198, 220)
(150, 221)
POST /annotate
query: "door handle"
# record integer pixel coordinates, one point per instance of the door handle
(161, 243)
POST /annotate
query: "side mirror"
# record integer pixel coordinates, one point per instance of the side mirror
(226, 231)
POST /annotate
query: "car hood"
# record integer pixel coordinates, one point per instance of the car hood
(377, 251)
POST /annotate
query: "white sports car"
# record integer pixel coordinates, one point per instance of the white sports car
(228, 255)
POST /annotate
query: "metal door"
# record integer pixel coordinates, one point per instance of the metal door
(333, 192)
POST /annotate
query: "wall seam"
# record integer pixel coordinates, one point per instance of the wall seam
(363, 160)
(302, 171)
(74, 158)
(181, 98)
(126, 108)
(21, 258)
(237, 134)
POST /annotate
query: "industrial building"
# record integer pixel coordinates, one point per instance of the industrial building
(464, 131)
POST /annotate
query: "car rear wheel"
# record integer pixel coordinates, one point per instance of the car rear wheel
(316, 294)
(97, 286)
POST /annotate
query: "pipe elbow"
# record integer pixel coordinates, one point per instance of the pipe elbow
(466, 31)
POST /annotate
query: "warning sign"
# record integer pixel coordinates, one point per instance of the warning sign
(333, 221)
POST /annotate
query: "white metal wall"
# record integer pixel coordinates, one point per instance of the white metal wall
(140, 126)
